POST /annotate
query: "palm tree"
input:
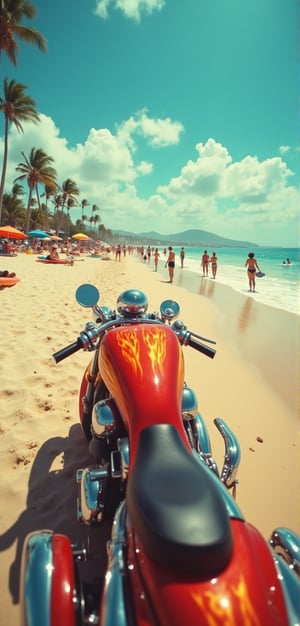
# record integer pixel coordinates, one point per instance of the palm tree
(104, 233)
(11, 14)
(91, 221)
(78, 225)
(95, 208)
(69, 191)
(70, 203)
(13, 210)
(17, 190)
(49, 191)
(96, 219)
(36, 170)
(57, 200)
(17, 107)
(83, 203)
(37, 218)
(92, 218)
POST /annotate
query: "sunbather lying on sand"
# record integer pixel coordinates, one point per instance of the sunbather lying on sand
(7, 274)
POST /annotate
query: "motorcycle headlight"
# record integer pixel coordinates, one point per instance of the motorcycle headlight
(132, 303)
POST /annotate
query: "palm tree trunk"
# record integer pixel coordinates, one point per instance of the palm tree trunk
(28, 212)
(46, 215)
(4, 167)
(38, 196)
(62, 217)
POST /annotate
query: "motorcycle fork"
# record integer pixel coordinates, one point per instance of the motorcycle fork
(88, 398)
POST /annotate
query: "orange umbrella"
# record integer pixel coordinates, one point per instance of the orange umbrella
(11, 233)
(81, 237)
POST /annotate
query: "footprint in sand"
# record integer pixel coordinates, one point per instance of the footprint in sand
(45, 405)
(6, 393)
(22, 456)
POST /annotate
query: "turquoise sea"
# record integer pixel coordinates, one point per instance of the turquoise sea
(279, 287)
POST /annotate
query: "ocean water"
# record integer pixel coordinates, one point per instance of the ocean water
(278, 288)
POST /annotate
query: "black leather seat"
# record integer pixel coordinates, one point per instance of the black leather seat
(176, 509)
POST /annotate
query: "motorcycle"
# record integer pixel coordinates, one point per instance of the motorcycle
(180, 550)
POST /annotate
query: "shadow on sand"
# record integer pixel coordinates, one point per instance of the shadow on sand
(51, 504)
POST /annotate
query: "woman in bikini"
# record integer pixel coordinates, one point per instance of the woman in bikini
(251, 265)
(171, 263)
(214, 264)
(53, 256)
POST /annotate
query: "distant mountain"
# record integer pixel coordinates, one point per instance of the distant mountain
(195, 237)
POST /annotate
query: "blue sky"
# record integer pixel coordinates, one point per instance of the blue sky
(169, 114)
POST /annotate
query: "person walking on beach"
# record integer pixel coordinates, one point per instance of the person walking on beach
(156, 257)
(251, 265)
(171, 263)
(214, 264)
(118, 253)
(182, 255)
(205, 262)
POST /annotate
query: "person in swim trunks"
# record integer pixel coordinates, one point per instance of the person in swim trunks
(252, 267)
(205, 262)
(170, 263)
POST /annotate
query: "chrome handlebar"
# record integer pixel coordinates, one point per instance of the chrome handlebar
(92, 332)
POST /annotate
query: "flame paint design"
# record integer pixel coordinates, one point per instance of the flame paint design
(219, 608)
(130, 347)
(154, 339)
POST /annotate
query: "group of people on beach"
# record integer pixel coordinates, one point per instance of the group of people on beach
(206, 260)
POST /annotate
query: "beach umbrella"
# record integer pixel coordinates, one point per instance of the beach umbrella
(55, 238)
(80, 237)
(38, 234)
(11, 233)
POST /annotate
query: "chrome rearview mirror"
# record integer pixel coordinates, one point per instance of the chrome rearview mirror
(169, 309)
(87, 295)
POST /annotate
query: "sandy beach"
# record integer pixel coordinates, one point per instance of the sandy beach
(252, 384)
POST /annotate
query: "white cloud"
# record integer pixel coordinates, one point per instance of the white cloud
(284, 149)
(158, 132)
(210, 192)
(105, 167)
(216, 194)
(132, 9)
(202, 177)
(253, 181)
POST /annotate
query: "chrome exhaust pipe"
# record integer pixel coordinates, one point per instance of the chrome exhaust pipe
(232, 454)
(117, 607)
(287, 545)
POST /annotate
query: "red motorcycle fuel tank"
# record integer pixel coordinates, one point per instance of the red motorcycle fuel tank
(142, 366)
